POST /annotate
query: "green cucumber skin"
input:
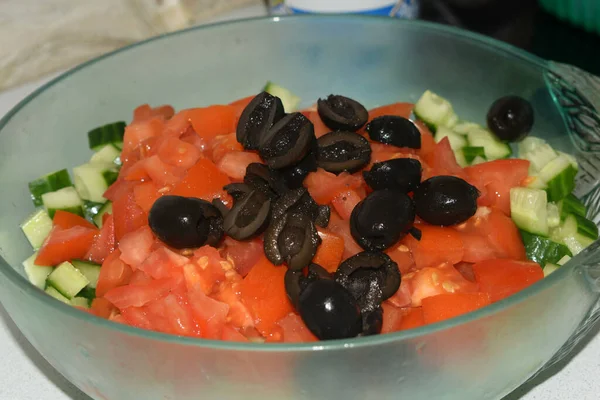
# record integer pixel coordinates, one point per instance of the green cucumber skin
(572, 205)
(471, 153)
(106, 134)
(48, 183)
(562, 185)
(586, 227)
(543, 250)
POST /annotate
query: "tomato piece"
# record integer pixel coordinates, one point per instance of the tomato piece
(177, 125)
(437, 245)
(445, 306)
(222, 145)
(502, 278)
(239, 316)
(145, 112)
(161, 173)
(403, 296)
(477, 248)
(163, 263)
(113, 273)
(172, 314)
(65, 245)
(67, 220)
(203, 180)
(104, 241)
(383, 152)
(345, 202)
(330, 251)
(178, 153)
(323, 186)
(442, 161)
(128, 216)
(402, 256)
(318, 124)
(427, 141)
(136, 133)
(242, 255)
(413, 318)
(190, 137)
(102, 308)
(139, 277)
(466, 270)
(145, 194)
(138, 317)
(263, 292)
(135, 246)
(397, 109)
(231, 334)
(294, 329)
(210, 314)
(206, 270)
(137, 172)
(119, 187)
(431, 281)
(392, 316)
(341, 227)
(212, 121)
(234, 164)
(139, 295)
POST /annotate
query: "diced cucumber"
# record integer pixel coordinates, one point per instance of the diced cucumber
(575, 232)
(553, 215)
(464, 127)
(536, 183)
(586, 228)
(36, 274)
(471, 153)
(457, 141)
(478, 160)
(56, 294)
(571, 159)
(528, 208)
(48, 183)
(435, 111)
(543, 250)
(494, 149)
(106, 208)
(289, 100)
(559, 175)
(80, 302)
(550, 268)
(90, 270)
(90, 209)
(109, 154)
(571, 205)
(88, 293)
(92, 180)
(529, 143)
(564, 260)
(67, 280)
(36, 227)
(65, 199)
(107, 134)
(539, 157)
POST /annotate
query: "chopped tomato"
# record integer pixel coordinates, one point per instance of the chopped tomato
(330, 251)
(139, 277)
(178, 153)
(203, 180)
(323, 186)
(442, 161)
(190, 137)
(413, 318)
(403, 296)
(102, 308)
(163, 263)
(104, 241)
(345, 202)
(139, 295)
(177, 125)
(427, 142)
(402, 256)
(67, 220)
(397, 109)
(137, 132)
(231, 334)
(113, 273)
(383, 152)
(119, 187)
(341, 227)
(263, 292)
(437, 245)
(320, 127)
(65, 245)
(466, 270)
(145, 112)
(392, 317)
(431, 281)
(135, 246)
(243, 255)
(137, 316)
(212, 121)
(145, 194)
(127, 214)
(239, 316)
(161, 173)
(222, 145)
(172, 314)
(445, 306)
(206, 270)
(234, 164)
(294, 329)
(210, 314)
(502, 278)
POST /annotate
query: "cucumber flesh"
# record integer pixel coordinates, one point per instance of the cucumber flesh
(435, 111)
(457, 141)
(563, 260)
(67, 280)
(105, 209)
(36, 227)
(90, 270)
(575, 232)
(57, 295)
(48, 183)
(289, 100)
(37, 274)
(92, 180)
(478, 160)
(464, 127)
(559, 175)
(550, 268)
(529, 210)
(528, 144)
(494, 149)
(539, 157)
(553, 215)
(80, 302)
(471, 153)
(88, 293)
(543, 250)
(109, 154)
(65, 199)
(107, 134)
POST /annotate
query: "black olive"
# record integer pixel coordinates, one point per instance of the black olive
(295, 281)
(403, 174)
(323, 215)
(294, 175)
(445, 200)
(300, 201)
(330, 311)
(292, 238)
(288, 141)
(416, 233)
(510, 118)
(186, 222)
(218, 203)
(266, 180)
(394, 130)
(342, 113)
(249, 216)
(257, 118)
(341, 151)
(372, 322)
(381, 219)
(237, 190)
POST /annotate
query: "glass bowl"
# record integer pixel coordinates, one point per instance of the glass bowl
(481, 355)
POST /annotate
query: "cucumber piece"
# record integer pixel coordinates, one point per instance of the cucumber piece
(528, 144)
(67, 280)
(92, 180)
(36, 227)
(586, 228)
(494, 149)
(528, 209)
(478, 160)
(90, 270)
(435, 111)
(56, 294)
(464, 127)
(471, 152)
(559, 175)
(539, 157)
(289, 100)
(107, 134)
(90, 209)
(550, 268)
(109, 154)
(553, 215)
(543, 250)
(536, 183)
(571, 205)
(87, 292)
(571, 159)
(36, 274)
(80, 302)
(48, 183)
(65, 199)
(563, 260)
(106, 208)
(457, 141)
(575, 232)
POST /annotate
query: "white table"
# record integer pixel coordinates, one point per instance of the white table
(25, 375)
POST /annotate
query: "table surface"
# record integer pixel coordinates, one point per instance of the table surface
(25, 375)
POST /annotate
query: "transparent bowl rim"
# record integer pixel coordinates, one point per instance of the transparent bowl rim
(375, 340)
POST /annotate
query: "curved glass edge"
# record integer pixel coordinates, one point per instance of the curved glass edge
(15, 278)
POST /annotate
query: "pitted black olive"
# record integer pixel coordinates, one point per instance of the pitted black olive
(292, 238)
(323, 215)
(342, 113)
(329, 311)
(416, 233)
(372, 322)
(237, 190)
(186, 222)
(394, 130)
(381, 219)
(445, 200)
(294, 175)
(218, 203)
(369, 275)
(266, 180)
(257, 118)
(249, 216)
(403, 174)
(341, 151)
(510, 118)
(295, 281)
(288, 141)
(300, 201)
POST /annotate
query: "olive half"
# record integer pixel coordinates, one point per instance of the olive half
(342, 113)
(186, 222)
(402, 174)
(381, 219)
(300, 201)
(287, 142)
(445, 200)
(394, 130)
(257, 118)
(264, 179)
(294, 175)
(248, 217)
(341, 151)
(510, 118)
(295, 281)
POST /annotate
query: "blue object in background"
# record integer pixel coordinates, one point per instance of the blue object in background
(408, 9)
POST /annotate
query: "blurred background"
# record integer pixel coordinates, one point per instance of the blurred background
(38, 38)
